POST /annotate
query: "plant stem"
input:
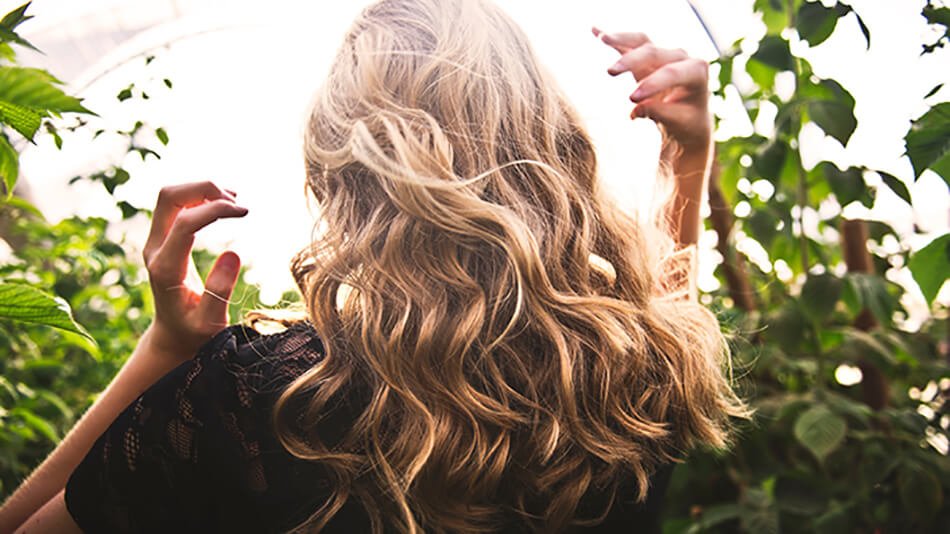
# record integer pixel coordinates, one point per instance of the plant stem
(802, 201)
(802, 192)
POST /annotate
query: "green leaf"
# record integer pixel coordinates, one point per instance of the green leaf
(819, 295)
(762, 74)
(837, 519)
(831, 107)
(168, 83)
(23, 205)
(835, 118)
(769, 160)
(772, 56)
(774, 52)
(10, 22)
(785, 326)
(8, 36)
(864, 30)
(859, 345)
(895, 185)
(820, 431)
(20, 302)
(848, 185)
(118, 177)
(9, 166)
(815, 22)
(847, 406)
(23, 120)
(36, 89)
(162, 135)
(933, 91)
(124, 94)
(7, 52)
(144, 152)
(870, 291)
(716, 515)
(928, 142)
(920, 491)
(36, 423)
(758, 511)
(51, 129)
(936, 15)
(128, 210)
(930, 267)
(773, 14)
(799, 496)
(16, 17)
(763, 226)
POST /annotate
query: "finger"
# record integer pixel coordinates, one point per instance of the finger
(170, 262)
(171, 200)
(644, 60)
(622, 42)
(690, 73)
(213, 308)
(190, 220)
(672, 115)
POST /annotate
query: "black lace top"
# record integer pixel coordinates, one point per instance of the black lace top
(196, 453)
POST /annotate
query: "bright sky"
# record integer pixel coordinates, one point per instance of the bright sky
(243, 79)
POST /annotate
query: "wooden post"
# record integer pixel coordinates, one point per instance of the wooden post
(733, 264)
(854, 238)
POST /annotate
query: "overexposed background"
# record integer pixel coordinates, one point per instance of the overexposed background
(243, 76)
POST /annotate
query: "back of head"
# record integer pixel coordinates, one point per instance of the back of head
(502, 373)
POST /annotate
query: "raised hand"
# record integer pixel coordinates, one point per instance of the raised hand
(188, 313)
(672, 89)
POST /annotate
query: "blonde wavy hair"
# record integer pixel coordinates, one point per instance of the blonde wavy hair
(502, 372)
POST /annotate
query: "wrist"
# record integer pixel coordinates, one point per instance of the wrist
(161, 343)
(691, 164)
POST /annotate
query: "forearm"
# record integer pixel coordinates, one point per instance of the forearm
(690, 175)
(144, 367)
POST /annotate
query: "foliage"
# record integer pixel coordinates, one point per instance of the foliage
(51, 375)
(21, 302)
(27, 97)
(822, 456)
(64, 275)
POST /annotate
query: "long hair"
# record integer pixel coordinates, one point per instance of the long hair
(489, 317)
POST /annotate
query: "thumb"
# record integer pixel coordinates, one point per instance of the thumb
(671, 115)
(213, 308)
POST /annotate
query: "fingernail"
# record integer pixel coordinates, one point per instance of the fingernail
(637, 95)
(230, 262)
(241, 209)
(617, 68)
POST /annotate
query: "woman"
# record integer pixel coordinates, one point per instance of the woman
(490, 344)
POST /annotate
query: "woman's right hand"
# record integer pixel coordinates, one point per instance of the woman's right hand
(187, 312)
(672, 87)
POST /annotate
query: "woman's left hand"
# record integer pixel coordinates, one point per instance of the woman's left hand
(187, 312)
(673, 87)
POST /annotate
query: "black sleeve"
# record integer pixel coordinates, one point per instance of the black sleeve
(180, 457)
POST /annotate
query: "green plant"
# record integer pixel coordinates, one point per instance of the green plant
(63, 275)
(821, 456)
(28, 99)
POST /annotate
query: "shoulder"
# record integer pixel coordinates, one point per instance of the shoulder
(262, 363)
(200, 439)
